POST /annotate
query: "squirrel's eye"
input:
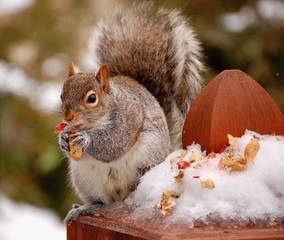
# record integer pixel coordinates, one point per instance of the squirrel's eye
(91, 99)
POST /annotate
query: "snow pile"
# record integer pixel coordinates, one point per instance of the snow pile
(242, 185)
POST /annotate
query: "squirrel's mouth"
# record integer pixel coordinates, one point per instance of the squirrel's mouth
(71, 126)
(81, 126)
(78, 126)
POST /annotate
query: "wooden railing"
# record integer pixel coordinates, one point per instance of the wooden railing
(230, 103)
(101, 228)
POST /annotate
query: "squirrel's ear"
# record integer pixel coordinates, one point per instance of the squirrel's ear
(103, 76)
(72, 69)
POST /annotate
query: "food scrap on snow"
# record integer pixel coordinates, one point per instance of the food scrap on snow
(242, 184)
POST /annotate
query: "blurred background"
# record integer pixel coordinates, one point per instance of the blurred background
(39, 39)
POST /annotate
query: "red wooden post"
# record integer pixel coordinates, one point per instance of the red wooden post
(107, 227)
(231, 103)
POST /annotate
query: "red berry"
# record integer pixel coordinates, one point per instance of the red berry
(60, 127)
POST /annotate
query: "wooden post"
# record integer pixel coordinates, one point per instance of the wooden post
(231, 103)
(100, 228)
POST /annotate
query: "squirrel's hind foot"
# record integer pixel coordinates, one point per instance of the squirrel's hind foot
(87, 209)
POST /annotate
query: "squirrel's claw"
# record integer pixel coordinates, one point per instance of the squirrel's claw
(87, 209)
(63, 142)
(82, 139)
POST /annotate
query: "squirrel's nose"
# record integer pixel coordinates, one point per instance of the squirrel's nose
(69, 116)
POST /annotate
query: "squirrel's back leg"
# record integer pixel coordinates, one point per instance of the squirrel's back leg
(86, 209)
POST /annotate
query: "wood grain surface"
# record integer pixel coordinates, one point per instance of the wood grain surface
(98, 228)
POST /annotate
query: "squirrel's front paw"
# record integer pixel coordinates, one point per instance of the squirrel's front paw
(82, 139)
(79, 139)
(86, 209)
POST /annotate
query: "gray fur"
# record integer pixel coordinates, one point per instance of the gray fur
(121, 137)
(160, 50)
(154, 59)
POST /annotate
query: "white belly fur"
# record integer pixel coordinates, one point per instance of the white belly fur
(92, 181)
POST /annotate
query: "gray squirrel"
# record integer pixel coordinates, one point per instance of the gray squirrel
(130, 114)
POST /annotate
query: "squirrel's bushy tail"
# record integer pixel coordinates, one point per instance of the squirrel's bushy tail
(160, 50)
